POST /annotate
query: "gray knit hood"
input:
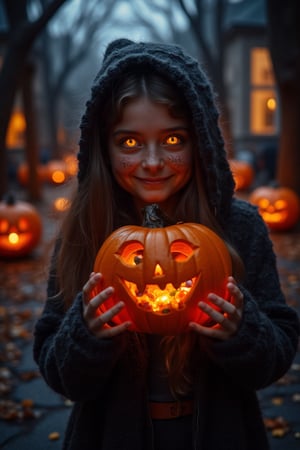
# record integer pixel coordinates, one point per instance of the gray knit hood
(184, 71)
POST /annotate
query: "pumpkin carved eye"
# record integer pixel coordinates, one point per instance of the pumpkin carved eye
(4, 226)
(281, 204)
(131, 253)
(23, 224)
(181, 250)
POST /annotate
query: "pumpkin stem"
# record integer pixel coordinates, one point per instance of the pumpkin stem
(154, 217)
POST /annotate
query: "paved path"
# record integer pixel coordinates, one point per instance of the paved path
(38, 416)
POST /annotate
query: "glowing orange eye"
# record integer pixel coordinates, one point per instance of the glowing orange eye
(173, 140)
(130, 142)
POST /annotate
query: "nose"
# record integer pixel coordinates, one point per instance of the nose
(153, 159)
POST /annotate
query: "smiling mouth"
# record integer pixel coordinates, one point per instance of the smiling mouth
(153, 180)
(161, 301)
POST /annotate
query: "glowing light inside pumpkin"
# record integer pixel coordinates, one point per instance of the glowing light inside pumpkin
(158, 271)
(58, 176)
(61, 204)
(161, 301)
(13, 238)
(273, 213)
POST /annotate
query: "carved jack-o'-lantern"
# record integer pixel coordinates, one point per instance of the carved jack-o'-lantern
(162, 273)
(278, 206)
(20, 228)
(242, 173)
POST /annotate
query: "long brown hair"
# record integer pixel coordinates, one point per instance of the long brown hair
(89, 221)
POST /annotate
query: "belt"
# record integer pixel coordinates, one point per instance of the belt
(170, 410)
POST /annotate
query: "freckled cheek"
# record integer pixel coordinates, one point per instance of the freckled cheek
(124, 164)
(179, 161)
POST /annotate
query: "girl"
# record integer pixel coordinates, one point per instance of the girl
(150, 134)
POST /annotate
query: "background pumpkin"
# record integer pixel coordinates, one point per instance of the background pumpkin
(278, 206)
(162, 273)
(242, 172)
(20, 228)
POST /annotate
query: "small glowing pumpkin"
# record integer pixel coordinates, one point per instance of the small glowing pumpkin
(278, 206)
(161, 273)
(242, 172)
(57, 172)
(20, 228)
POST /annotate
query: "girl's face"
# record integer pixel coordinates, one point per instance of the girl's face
(150, 153)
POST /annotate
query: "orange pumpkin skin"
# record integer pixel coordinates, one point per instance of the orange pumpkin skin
(278, 206)
(242, 173)
(20, 228)
(178, 255)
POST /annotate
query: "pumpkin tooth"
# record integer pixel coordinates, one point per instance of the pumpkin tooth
(140, 289)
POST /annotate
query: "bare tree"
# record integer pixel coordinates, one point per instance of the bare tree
(212, 52)
(70, 48)
(284, 37)
(22, 35)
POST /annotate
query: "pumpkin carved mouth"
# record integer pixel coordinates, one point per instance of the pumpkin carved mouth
(274, 217)
(161, 301)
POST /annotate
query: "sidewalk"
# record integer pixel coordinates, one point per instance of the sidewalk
(32, 417)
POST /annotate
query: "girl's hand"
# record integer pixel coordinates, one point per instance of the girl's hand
(227, 319)
(98, 324)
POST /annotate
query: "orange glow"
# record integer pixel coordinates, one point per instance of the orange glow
(58, 177)
(160, 301)
(61, 204)
(271, 104)
(16, 130)
(158, 271)
(71, 164)
(13, 238)
(279, 207)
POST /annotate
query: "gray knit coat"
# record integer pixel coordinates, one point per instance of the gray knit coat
(107, 378)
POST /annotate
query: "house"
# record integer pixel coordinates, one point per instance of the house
(250, 83)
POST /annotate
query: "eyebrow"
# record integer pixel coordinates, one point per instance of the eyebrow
(168, 130)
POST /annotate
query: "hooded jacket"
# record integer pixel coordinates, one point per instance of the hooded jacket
(107, 378)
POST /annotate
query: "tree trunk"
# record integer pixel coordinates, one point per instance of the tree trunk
(31, 142)
(22, 37)
(289, 144)
(284, 42)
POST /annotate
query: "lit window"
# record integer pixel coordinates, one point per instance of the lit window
(263, 98)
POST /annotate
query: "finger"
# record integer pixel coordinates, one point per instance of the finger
(237, 296)
(91, 308)
(94, 279)
(227, 318)
(215, 332)
(109, 332)
(217, 316)
(224, 305)
(108, 315)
